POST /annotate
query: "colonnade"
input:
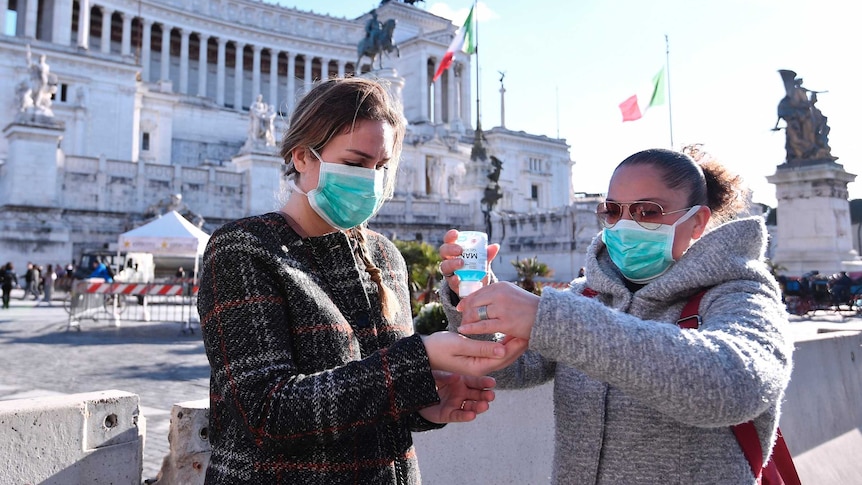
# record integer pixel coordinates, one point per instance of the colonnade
(231, 72)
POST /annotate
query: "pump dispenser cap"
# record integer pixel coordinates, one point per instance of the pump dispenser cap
(467, 287)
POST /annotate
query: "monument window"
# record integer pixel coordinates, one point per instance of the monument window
(534, 164)
(145, 141)
(11, 19)
(64, 92)
(534, 192)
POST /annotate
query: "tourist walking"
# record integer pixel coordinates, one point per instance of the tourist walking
(8, 281)
(49, 278)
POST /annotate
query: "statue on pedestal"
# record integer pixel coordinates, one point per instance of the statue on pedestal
(805, 127)
(35, 96)
(261, 125)
(378, 40)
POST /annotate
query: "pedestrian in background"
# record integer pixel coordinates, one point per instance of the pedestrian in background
(35, 282)
(8, 281)
(48, 280)
(28, 280)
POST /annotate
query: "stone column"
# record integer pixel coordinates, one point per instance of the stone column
(451, 97)
(341, 68)
(220, 71)
(30, 17)
(238, 75)
(84, 24)
(466, 102)
(126, 48)
(291, 81)
(61, 29)
(184, 60)
(424, 93)
(324, 69)
(106, 30)
(166, 54)
(255, 71)
(203, 72)
(4, 6)
(273, 77)
(146, 46)
(438, 101)
(307, 81)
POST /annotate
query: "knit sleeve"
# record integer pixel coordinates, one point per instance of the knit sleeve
(251, 304)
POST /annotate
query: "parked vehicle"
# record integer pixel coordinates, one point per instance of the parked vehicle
(127, 267)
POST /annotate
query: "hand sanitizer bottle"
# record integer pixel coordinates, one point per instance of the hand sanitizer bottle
(474, 246)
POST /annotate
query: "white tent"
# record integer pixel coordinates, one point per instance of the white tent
(169, 235)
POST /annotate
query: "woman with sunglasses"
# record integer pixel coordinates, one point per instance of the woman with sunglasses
(316, 374)
(637, 398)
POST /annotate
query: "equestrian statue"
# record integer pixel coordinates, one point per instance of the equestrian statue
(378, 40)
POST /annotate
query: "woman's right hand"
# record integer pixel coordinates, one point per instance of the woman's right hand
(450, 253)
(452, 352)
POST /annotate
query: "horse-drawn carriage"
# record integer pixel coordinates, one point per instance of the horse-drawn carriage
(812, 292)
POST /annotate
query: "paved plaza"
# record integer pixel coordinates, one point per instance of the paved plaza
(154, 360)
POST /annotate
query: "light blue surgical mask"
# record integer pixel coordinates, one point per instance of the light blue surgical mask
(642, 255)
(345, 196)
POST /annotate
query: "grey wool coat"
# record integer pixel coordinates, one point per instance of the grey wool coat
(309, 383)
(638, 399)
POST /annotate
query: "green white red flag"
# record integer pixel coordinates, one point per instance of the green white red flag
(465, 41)
(653, 94)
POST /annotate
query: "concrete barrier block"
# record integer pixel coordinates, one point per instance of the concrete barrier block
(512, 444)
(822, 413)
(190, 449)
(94, 438)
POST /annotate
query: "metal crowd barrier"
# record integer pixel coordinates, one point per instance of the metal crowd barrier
(143, 302)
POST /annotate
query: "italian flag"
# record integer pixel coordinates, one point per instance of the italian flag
(465, 41)
(651, 95)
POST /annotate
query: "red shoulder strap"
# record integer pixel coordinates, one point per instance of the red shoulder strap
(780, 470)
(689, 318)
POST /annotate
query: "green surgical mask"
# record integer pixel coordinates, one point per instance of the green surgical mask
(345, 196)
(642, 255)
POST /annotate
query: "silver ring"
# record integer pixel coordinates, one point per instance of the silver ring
(462, 405)
(483, 312)
(440, 269)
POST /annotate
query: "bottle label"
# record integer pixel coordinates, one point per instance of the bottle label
(474, 252)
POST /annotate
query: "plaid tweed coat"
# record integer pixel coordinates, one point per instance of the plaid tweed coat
(309, 383)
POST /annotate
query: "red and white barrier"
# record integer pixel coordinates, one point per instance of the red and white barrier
(134, 289)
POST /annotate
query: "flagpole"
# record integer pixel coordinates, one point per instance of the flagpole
(667, 72)
(478, 109)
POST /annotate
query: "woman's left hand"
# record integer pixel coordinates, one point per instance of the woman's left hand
(501, 307)
(462, 398)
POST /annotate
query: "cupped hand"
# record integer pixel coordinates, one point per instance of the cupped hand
(462, 398)
(510, 309)
(450, 253)
(452, 352)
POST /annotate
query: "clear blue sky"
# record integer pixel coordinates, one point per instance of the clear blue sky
(569, 64)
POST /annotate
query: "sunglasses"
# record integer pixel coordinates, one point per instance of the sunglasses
(647, 214)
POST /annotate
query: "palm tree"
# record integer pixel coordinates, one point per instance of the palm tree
(422, 260)
(528, 270)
